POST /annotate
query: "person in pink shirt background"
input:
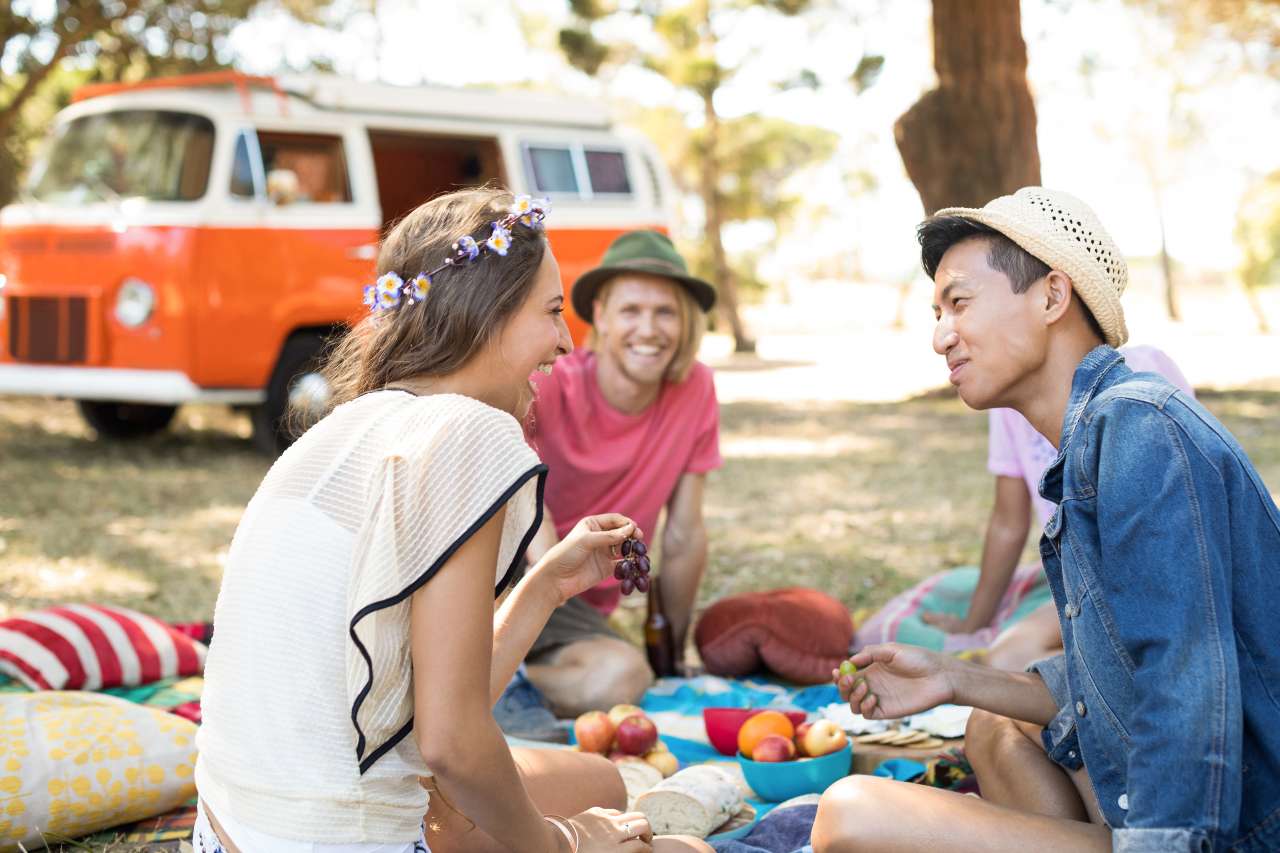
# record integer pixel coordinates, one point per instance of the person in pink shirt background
(630, 421)
(1018, 455)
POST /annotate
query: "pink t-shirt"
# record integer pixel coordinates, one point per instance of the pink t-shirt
(1015, 449)
(603, 460)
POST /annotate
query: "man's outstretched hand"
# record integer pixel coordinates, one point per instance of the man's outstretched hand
(894, 680)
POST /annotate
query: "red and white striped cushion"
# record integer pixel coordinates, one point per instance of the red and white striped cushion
(92, 646)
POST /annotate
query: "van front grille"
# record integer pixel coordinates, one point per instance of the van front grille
(48, 328)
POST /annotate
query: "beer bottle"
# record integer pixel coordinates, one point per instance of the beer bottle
(658, 642)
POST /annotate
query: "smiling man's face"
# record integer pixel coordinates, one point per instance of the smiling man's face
(638, 326)
(991, 337)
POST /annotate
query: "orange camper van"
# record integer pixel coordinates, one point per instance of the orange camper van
(198, 239)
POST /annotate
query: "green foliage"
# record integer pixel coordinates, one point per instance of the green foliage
(759, 154)
(64, 44)
(1258, 233)
(751, 156)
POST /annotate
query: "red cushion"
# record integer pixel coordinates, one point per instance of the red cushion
(800, 634)
(91, 646)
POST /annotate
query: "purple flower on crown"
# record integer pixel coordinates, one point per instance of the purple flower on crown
(500, 240)
(468, 246)
(371, 297)
(388, 287)
(416, 289)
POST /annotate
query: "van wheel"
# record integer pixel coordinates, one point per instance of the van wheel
(111, 419)
(296, 379)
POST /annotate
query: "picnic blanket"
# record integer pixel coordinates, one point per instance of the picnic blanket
(950, 592)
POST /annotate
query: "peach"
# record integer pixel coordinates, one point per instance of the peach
(618, 713)
(664, 761)
(774, 748)
(822, 737)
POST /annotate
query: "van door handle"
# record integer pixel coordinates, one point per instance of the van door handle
(367, 252)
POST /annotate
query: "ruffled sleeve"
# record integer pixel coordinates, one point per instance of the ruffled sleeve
(455, 463)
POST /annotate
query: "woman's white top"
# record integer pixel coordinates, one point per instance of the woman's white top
(308, 697)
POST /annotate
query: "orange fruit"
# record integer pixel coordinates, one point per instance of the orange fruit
(759, 726)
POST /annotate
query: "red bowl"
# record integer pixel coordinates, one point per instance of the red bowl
(723, 724)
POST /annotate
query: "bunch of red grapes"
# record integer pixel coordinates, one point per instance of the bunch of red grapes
(633, 568)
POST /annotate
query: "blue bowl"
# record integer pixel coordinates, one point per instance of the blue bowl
(775, 781)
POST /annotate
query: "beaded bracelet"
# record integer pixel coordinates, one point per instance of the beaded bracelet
(567, 829)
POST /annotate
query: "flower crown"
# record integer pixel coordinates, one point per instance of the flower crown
(390, 289)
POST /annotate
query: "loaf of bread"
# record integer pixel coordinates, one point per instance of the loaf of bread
(639, 777)
(694, 801)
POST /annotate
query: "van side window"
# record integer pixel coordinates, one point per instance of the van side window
(305, 167)
(608, 172)
(242, 170)
(552, 169)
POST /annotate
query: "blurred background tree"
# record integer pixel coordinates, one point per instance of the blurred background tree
(760, 160)
(737, 165)
(972, 138)
(56, 47)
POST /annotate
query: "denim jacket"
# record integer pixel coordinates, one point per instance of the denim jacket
(1164, 560)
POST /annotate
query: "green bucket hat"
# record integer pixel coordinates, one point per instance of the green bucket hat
(639, 251)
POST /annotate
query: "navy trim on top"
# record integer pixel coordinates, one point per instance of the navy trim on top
(540, 470)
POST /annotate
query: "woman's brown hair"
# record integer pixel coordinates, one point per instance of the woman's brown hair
(465, 306)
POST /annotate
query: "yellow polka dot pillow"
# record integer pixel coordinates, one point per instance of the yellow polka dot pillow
(74, 763)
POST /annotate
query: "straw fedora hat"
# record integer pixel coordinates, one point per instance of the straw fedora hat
(1065, 233)
(649, 252)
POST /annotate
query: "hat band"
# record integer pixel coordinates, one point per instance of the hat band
(648, 264)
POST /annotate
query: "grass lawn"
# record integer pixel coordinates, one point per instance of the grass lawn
(860, 500)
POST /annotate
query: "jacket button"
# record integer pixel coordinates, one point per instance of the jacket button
(1068, 611)
(1123, 802)
(1081, 710)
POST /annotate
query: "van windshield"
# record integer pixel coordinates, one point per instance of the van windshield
(150, 154)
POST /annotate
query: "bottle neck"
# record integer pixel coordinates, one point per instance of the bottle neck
(655, 597)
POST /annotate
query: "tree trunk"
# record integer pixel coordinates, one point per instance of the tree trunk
(727, 299)
(973, 138)
(1260, 315)
(1166, 270)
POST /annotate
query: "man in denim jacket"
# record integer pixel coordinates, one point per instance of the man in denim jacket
(1159, 727)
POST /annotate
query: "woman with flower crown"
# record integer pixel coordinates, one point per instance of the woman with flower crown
(358, 650)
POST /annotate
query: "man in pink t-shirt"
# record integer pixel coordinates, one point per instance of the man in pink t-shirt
(628, 423)
(1018, 455)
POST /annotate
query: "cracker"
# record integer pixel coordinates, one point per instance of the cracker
(907, 738)
(877, 737)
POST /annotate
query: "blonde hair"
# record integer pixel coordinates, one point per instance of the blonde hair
(465, 306)
(692, 325)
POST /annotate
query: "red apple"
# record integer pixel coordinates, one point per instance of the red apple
(822, 737)
(636, 735)
(801, 731)
(774, 748)
(594, 732)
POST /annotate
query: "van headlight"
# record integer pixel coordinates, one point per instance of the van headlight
(134, 302)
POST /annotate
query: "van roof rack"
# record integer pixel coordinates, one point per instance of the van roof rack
(243, 83)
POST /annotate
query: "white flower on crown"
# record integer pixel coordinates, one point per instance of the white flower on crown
(389, 286)
(522, 205)
(500, 240)
(416, 289)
